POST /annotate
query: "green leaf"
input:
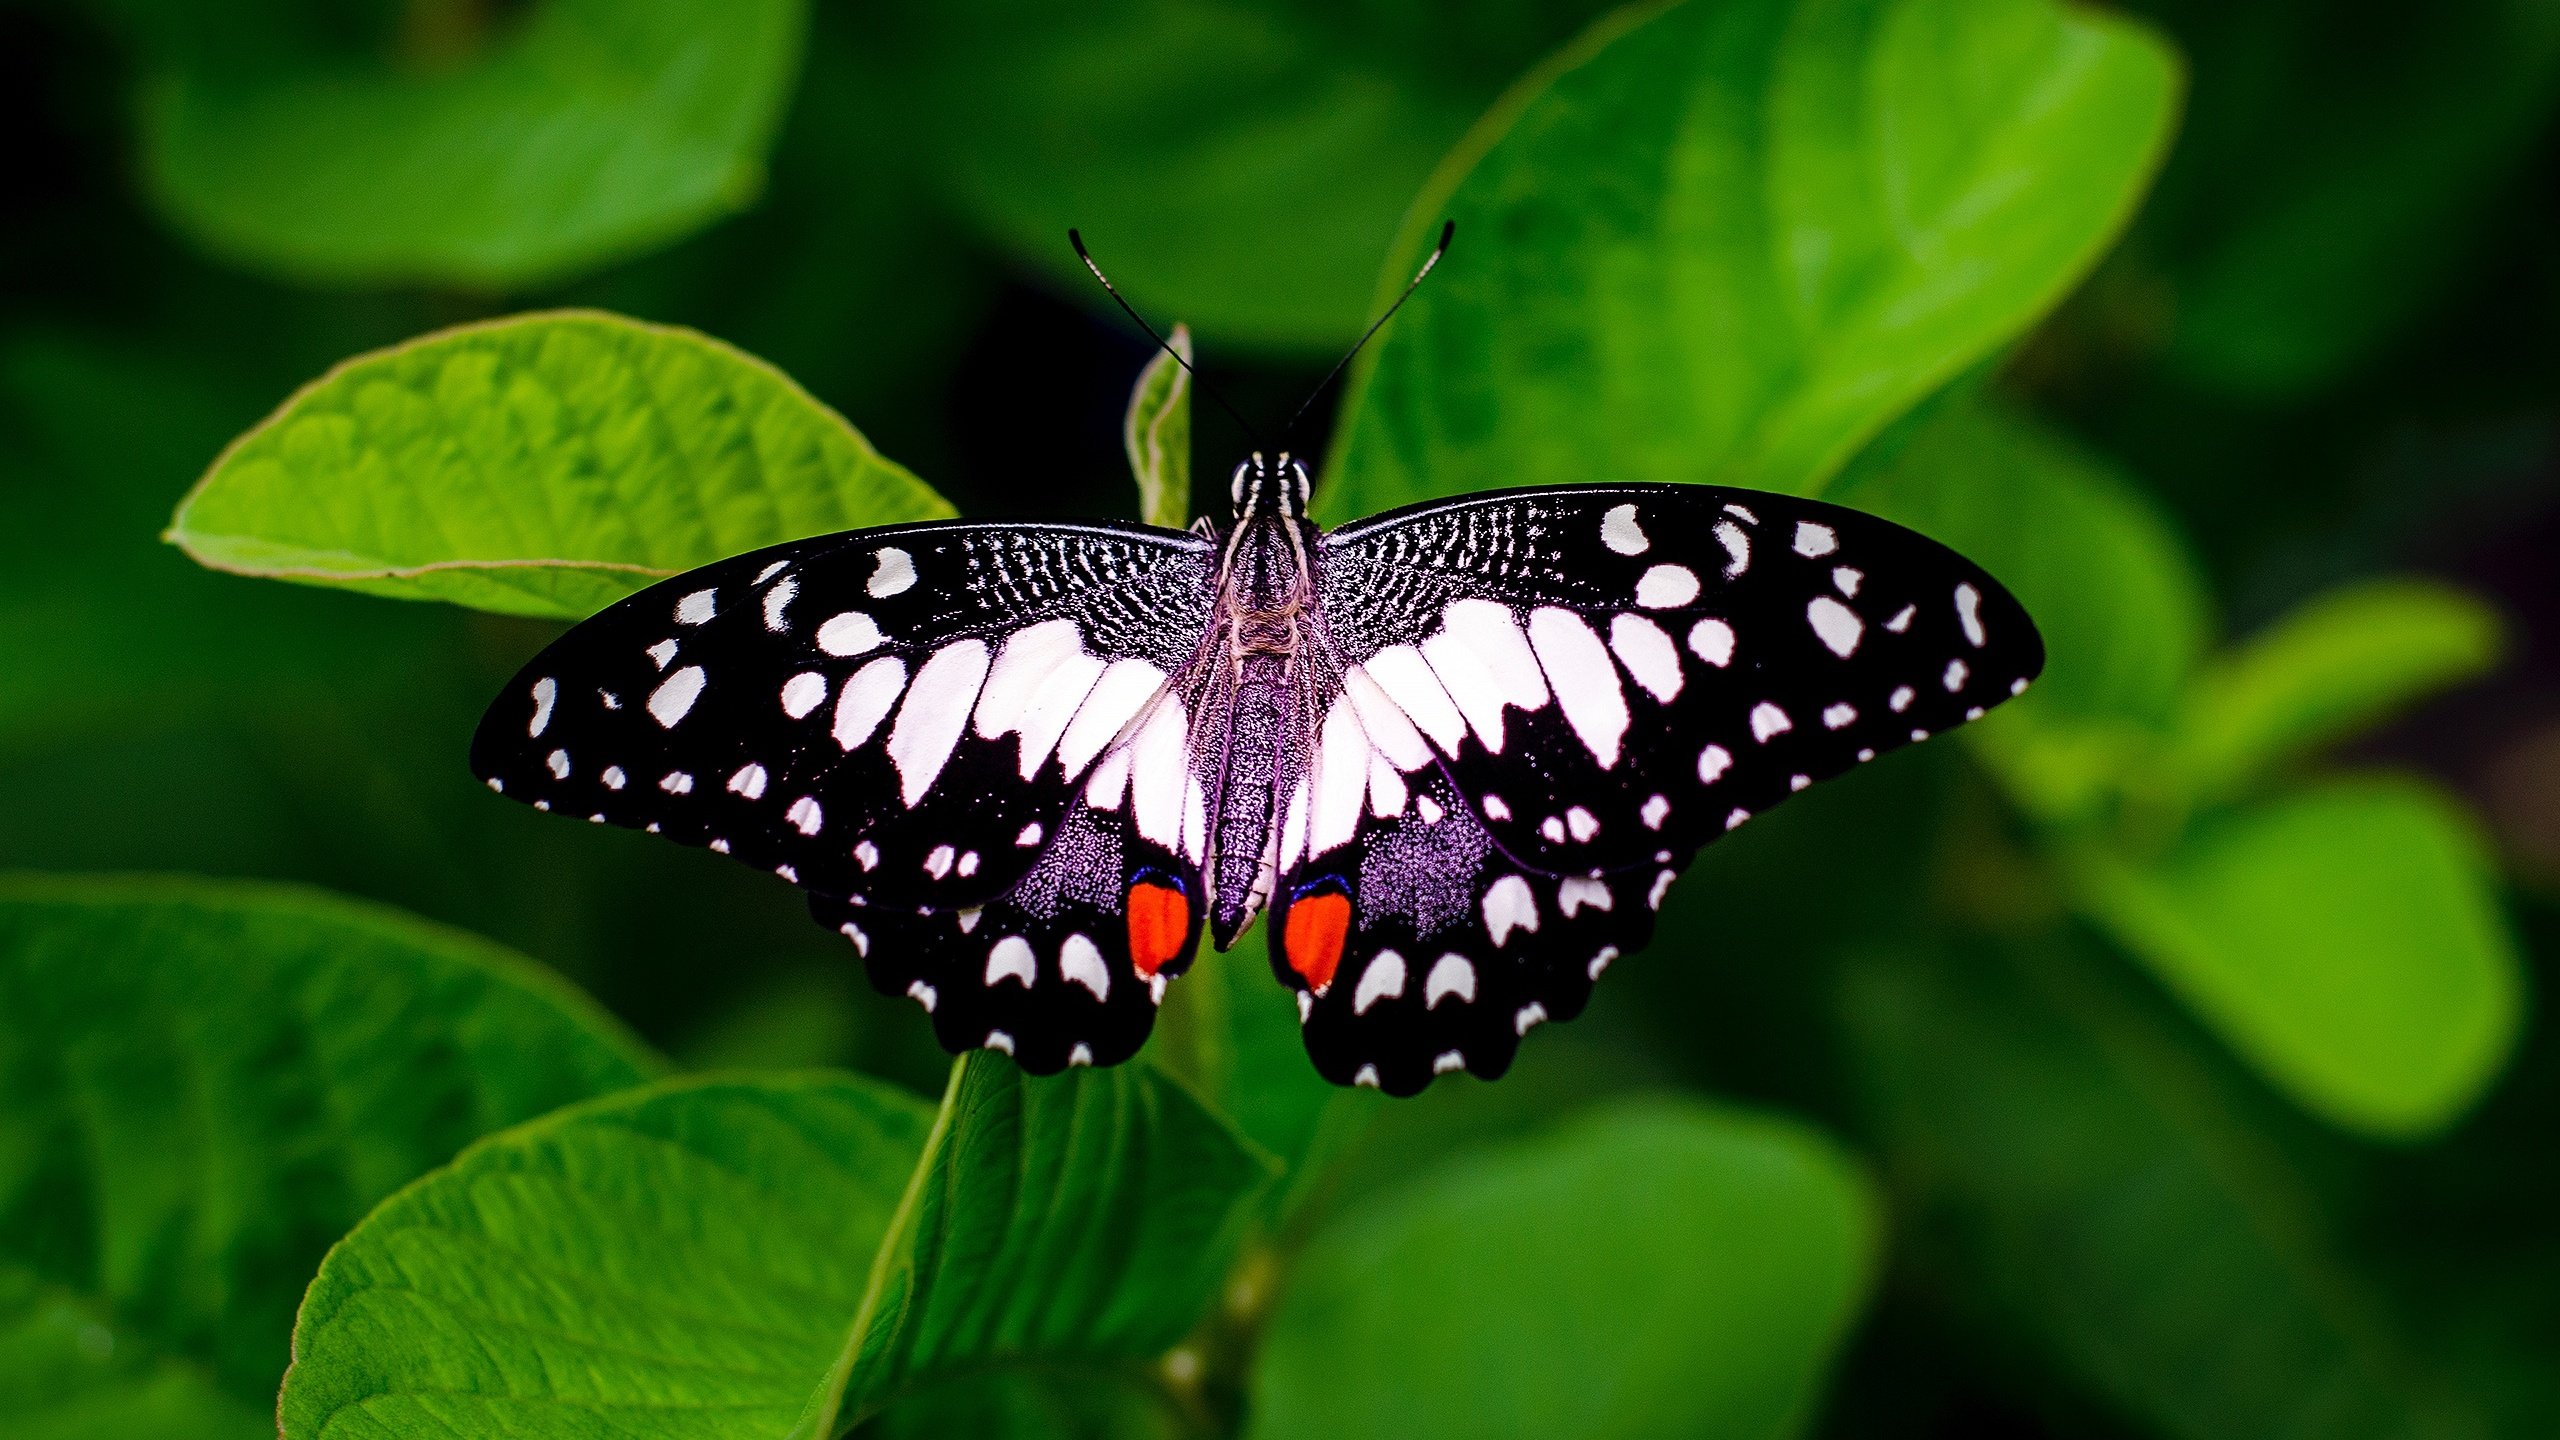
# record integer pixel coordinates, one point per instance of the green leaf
(1658, 1268)
(592, 130)
(2109, 582)
(2088, 1186)
(201, 1086)
(2346, 939)
(1241, 163)
(546, 465)
(2331, 668)
(1729, 241)
(1157, 435)
(2342, 168)
(772, 1257)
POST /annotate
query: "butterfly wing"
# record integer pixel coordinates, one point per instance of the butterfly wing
(1550, 700)
(903, 713)
(1068, 964)
(1611, 671)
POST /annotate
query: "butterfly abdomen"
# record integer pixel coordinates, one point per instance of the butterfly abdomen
(1248, 799)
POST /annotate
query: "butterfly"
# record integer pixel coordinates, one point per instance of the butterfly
(1458, 751)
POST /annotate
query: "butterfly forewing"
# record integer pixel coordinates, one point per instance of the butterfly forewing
(1608, 672)
(905, 713)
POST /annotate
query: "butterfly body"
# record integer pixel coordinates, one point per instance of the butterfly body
(1459, 751)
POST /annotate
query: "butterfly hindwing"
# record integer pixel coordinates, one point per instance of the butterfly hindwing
(1066, 967)
(1612, 671)
(903, 713)
(1422, 948)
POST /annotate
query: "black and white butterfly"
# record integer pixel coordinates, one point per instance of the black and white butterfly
(1459, 750)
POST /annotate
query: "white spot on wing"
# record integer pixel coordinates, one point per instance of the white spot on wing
(1159, 762)
(803, 693)
(1838, 714)
(1388, 727)
(613, 777)
(1711, 640)
(804, 815)
(1406, 677)
(1582, 823)
(557, 762)
(1737, 548)
(1080, 960)
(892, 572)
(1619, 531)
(1768, 721)
(866, 854)
(922, 993)
(1118, 694)
(1576, 891)
(1586, 684)
(851, 633)
(1838, 626)
(749, 782)
(1648, 655)
(1509, 906)
(1969, 614)
(1448, 1061)
(545, 691)
(1955, 676)
(1030, 835)
(937, 861)
(1901, 698)
(664, 653)
(1384, 979)
(1530, 1015)
(697, 607)
(936, 711)
(1341, 778)
(1366, 1075)
(1814, 541)
(675, 695)
(676, 782)
(1712, 763)
(1901, 620)
(776, 600)
(1012, 959)
(866, 698)
(1654, 811)
(1666, 586)
(1450, 975)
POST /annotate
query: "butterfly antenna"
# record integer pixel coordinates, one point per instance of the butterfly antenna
(1448, 231)
(1166, 345)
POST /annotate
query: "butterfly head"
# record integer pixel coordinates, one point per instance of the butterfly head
(1269, 487)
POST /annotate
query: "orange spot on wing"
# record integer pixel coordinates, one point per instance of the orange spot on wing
(1159, 924)
(1313, 941)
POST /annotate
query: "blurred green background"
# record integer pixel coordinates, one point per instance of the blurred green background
(2184, 1020)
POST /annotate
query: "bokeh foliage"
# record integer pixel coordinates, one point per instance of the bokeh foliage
(2158, 1059)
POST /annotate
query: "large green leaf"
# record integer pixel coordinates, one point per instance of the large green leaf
(2342, 165)
(2347, 939)
(543, 465)
(2328, 669)
(2086, 1184)
(1655, 1269)
(773, 1257)
(1240, 163)
(590, 130)
(202, 1086)
(1730, 241)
